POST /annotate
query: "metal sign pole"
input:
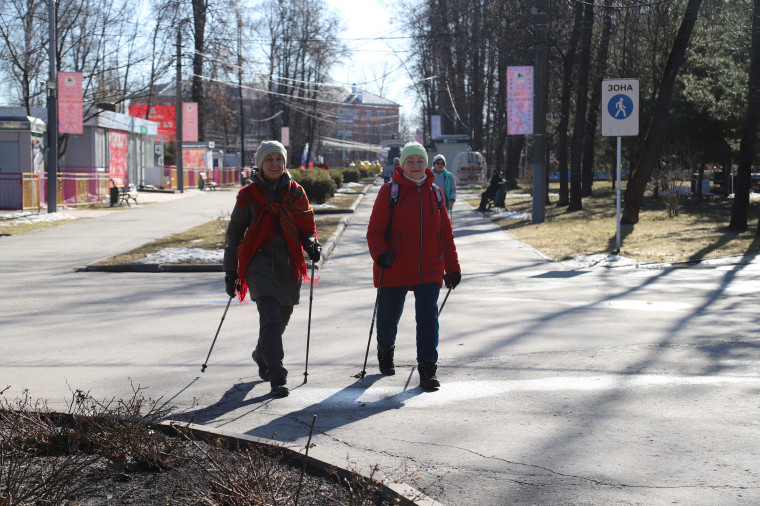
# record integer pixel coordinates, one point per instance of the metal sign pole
(617, 237)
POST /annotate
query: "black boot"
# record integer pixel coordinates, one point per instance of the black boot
(385, 360)
(279, 388)
(260, 363)
(428, 381)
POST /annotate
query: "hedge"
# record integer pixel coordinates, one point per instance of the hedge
(318, 184)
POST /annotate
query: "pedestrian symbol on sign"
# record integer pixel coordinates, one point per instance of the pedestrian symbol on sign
(620, 106)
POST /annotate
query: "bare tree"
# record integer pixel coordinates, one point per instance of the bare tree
(634, 194)
(23, 56)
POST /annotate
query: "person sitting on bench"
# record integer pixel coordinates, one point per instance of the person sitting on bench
(490, 192)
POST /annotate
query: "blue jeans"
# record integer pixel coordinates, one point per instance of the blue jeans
(391, 305)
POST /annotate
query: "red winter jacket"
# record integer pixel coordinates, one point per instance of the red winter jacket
(420, 233)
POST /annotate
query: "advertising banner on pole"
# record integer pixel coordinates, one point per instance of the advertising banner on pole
(520, 100)
(285, 136)
(435, 126)
(118, 150)
(70, 103)
(189, 122)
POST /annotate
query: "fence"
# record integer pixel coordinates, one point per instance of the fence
(223, 176)
(21, 191)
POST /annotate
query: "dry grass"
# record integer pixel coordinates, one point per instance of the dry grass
(699, 231)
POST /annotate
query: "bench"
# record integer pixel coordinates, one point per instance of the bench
(121, 194)
(204, 182)
(498, 201)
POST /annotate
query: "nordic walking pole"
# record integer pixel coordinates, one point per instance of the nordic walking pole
(203, 367)
(372, 325)
(444, 302)
(308, 326)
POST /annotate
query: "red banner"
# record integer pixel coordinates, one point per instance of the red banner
(189, 122)
(70, 103)
(164, 115)
(118, 152)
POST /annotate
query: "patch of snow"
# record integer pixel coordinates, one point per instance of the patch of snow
(352, 184)
(752, 196)
(511, 215)
(183, 255)
(24, 217)
(323, 206)
(346, 190)
(582, 261)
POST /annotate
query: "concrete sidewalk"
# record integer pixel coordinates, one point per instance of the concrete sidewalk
(559, 385)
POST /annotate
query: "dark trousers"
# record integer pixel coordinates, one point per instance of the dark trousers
(485, 197)
(273, 318)
(391, 306)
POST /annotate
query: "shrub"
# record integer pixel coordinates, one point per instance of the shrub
(337, 176)
(317, 184)
(351, 175)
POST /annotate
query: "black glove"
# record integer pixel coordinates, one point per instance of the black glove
(385, 260)
(452, 279)
(231, 284)
(312, 247)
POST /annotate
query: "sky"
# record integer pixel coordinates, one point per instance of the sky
(378, 47)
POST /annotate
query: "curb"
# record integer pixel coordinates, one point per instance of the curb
(394, 491)
(327, 249)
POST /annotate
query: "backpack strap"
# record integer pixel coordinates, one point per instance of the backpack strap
(438, 196)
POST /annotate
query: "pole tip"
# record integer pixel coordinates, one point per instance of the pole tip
(203, 368)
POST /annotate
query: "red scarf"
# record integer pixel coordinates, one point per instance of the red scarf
(295, 216)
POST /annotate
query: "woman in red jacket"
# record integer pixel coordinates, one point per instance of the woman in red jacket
(412, 243)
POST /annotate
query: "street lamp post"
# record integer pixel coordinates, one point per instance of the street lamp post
(178, 113)
(52, 107)
(539, 114)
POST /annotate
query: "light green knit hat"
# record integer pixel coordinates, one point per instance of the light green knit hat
(267, 148)
(413, 148)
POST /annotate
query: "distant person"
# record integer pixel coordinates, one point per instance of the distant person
(270, 223)
(445, 181)
(490, 193)
(412, 244)
(388, 169)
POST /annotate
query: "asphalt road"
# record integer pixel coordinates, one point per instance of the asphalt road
(560, 385)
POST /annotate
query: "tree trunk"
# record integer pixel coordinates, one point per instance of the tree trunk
(564, 118)
(515, 145)
(747, 147)
(634, 194)
(593, 110)
(200, 8)
(581, 102)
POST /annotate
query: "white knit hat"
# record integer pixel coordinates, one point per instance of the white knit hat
(267, 148)
(439, 157)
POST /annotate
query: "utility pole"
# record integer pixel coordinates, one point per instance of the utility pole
(178, 113)
(539, 113)
(52, 108)
(240, 90)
